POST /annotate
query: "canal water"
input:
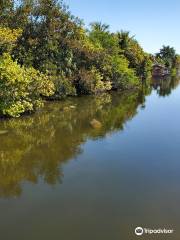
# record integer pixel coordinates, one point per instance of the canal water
(93, 168)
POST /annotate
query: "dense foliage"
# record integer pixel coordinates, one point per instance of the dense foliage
(138, 60)
(45, 51)
(21, 89)
(167, 56)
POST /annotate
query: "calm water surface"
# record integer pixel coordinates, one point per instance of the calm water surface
(63, 179)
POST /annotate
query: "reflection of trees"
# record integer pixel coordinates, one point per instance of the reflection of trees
(143, 92)
(36, 146)
(164, 86)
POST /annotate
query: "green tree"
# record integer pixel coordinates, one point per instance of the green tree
(168, 55)
(138, 59)
(124, 39)
(6, 12)
(21, 89)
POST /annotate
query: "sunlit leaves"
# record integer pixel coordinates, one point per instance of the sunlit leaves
(8, 38)
(21, 88)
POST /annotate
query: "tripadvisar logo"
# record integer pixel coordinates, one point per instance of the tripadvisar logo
(139, 231)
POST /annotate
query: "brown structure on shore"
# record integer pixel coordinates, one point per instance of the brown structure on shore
(159, 70)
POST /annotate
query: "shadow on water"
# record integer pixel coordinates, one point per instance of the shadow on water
(36, 146)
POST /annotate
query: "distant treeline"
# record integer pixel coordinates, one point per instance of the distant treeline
(46, 53)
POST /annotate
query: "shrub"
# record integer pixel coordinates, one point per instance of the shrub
(63, 88)
(115, 68)
(8, 38)
(21, 89)
(90, 82)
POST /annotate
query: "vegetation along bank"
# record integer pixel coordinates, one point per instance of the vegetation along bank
(47, 54)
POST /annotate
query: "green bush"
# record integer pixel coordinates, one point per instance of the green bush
(115, 68)
(8, 38)
(21, 89)
(63, 88)
(90, 82)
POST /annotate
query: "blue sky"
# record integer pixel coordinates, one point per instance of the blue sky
(154, 22)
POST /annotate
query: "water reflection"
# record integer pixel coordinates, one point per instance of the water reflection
(36, 146)
(165, 85)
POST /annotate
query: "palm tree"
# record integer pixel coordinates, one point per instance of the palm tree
(100, 27)
(168, 55)
(124, 39)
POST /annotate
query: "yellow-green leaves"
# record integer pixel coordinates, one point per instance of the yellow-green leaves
(8, 38)
(21, 89)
